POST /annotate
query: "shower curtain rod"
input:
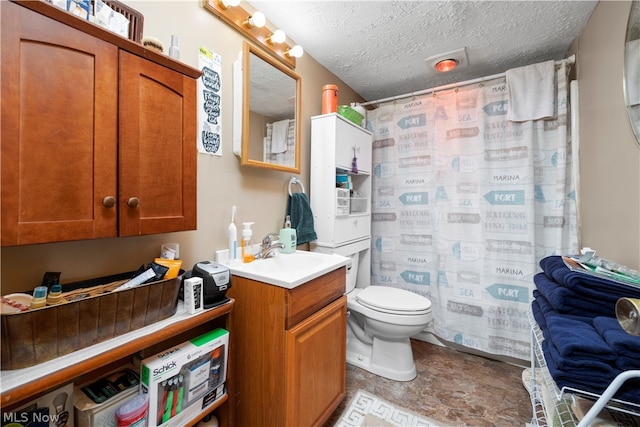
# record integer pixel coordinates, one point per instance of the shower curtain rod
(570, 60)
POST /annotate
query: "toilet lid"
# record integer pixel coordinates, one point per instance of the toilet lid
(393, 300)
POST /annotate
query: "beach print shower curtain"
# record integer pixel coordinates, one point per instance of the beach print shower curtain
(466, 203)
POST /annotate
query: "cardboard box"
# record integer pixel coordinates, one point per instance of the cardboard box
(184, 380)
(53, 409)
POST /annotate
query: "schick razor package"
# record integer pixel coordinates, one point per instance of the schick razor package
(185, 380)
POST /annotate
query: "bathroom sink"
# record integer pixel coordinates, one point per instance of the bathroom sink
(289, 270)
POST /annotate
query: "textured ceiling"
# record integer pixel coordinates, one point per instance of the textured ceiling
(379, 48)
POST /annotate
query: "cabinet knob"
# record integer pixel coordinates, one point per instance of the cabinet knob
(109, 202)
(133, 202)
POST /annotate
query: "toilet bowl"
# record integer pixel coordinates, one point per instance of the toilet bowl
(380, 319)
(380, 323)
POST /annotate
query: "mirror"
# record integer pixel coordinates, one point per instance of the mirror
(632, 68)
(267, 106)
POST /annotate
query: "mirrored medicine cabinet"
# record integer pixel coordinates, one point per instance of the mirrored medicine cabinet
(267, 111)
(632, 68)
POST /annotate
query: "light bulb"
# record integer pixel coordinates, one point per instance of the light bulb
(278, 36)
(226, 4)
(257, 20)
(446, 65)
(295, 51)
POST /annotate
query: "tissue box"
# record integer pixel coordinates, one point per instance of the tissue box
(52, 409)
(184, 380)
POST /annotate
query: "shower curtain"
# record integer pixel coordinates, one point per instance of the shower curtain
(466, 203)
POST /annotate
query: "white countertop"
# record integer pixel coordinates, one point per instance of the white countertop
(289, 270)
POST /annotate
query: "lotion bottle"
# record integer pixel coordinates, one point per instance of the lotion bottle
(247, 255)
(288, 237)
(232, 235)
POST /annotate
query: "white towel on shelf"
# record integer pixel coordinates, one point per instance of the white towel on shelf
(632, 72)
(530, 92)
(279, 136)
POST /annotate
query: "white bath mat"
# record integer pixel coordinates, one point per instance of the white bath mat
(368, 410)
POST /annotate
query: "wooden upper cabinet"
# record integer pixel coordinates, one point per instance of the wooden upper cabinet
(157, 148)
(96, 141)
(59, 130)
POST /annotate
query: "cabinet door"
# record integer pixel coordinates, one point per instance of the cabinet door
(351, 228)
(157, 149)
(352, 141)
(316, 366)
(59, 131)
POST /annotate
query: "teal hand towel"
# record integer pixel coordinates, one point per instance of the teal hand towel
(301, 217)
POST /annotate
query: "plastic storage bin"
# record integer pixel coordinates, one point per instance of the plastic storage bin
(342, 202)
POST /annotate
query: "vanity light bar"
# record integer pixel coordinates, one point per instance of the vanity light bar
(237, 17)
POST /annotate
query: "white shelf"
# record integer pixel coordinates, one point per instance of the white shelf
(17, 383)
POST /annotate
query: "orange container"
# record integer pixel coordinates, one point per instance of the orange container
(329, 99)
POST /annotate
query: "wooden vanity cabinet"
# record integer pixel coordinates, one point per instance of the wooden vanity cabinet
(289, 349)
(98, 134)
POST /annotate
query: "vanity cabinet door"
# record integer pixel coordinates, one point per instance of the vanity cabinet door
(316, 365)
(157, 152)
(59, 130)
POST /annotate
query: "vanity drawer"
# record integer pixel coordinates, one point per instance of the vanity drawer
(304, 300)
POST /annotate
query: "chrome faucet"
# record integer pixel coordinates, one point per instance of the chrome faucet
(269, 245)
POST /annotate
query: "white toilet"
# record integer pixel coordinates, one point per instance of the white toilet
(380, 322)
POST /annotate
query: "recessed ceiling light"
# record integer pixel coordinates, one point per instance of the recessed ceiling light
(445, 65)
(448, 61)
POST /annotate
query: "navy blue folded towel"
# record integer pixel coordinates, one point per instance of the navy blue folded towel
(538, 314)
(585, 284)
(577, 340)
(624, 345)
(567, 301)
(569, 364)
(588, 379)
(301, 217)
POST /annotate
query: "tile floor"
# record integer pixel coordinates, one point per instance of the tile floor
(456, 388)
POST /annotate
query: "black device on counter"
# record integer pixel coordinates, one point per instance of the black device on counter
(216, 279)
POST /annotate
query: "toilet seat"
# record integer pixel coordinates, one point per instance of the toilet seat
(390, 300)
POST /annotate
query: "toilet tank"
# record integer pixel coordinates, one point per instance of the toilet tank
(352, 271)
(359, 253)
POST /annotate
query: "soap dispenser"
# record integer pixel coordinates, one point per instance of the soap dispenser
(288, 237)
(247, 255)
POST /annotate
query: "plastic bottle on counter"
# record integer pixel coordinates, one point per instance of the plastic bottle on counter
(247, 234)
(288, 237)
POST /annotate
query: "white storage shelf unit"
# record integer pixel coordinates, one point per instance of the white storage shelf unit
(553, 407)
(341, 215)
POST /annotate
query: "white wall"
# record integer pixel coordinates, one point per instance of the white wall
(609, 152)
